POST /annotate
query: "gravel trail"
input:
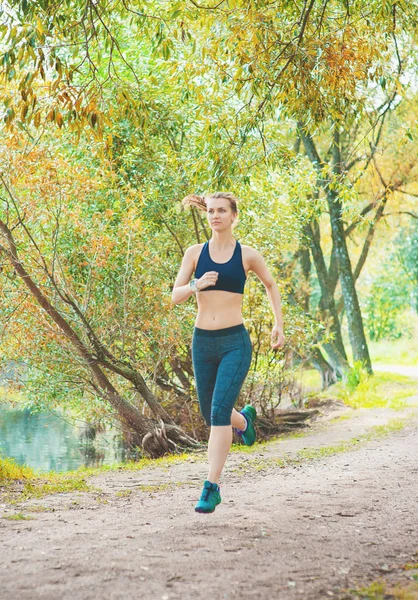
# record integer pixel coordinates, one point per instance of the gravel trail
(309, 530)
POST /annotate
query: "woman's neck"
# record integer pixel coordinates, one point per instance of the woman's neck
(222, 240)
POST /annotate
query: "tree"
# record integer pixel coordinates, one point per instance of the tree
(65, 280)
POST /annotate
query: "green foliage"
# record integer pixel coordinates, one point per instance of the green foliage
(174, 99)
(387, 302)
(381, 390)
(314, 59)
(407, 255)
(403, 351)
(356, 375)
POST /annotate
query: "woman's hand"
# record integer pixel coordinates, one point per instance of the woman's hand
(208, 279)
(277, 337)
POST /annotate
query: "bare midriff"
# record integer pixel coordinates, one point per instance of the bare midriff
(218, 309)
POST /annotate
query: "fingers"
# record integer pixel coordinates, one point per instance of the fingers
(208, 279)
(277, 340)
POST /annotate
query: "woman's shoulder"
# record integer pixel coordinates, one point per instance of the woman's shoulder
(193, 252)
(249, 251)
(195, 249)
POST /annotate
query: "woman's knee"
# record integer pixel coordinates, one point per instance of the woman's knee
(221, 416)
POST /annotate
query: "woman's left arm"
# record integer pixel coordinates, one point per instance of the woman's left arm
(257, 264)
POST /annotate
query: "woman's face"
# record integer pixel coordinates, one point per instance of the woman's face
(219, 214)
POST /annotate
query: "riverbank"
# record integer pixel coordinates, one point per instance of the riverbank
(308, 516)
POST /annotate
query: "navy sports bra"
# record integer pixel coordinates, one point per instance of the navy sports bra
(231, 275)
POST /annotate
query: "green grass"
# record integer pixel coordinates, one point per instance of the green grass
(395, 352)
(18, 517)
(383, 390)
(310, 379)
(379, 431)
(123, 493)
(38, 484)
(11, 471)
(385, 352)
(379, 590)
(376, 432)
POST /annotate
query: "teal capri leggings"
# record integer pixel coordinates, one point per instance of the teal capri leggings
(221, 359)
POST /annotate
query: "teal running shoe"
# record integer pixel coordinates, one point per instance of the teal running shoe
(210, 498)
(249, 435)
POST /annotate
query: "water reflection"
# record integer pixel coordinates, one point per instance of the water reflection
(47, 442)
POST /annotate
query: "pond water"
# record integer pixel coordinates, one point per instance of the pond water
(49, 442)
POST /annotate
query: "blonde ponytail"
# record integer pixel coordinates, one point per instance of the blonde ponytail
(196, 201)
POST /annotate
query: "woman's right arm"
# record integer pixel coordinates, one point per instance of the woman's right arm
(182, 290)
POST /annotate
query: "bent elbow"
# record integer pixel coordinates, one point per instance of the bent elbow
(175, 297)
(269, 284)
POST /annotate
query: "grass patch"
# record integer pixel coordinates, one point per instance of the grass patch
(159, 487)
(382, 390)
(10, 470)
(123, 493)
(379, 431)
(341, 418)
(395, 352)
(379, 590)
(18, 517)
(376, 432)
(387, 390)
(37, 485)
(248, 449)
(55, 484)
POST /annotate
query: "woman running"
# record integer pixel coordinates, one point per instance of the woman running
(221, 345)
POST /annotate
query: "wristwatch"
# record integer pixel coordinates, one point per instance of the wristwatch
(193, 285)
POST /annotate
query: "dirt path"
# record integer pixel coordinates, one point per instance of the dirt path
(407, 370)
(309, 530)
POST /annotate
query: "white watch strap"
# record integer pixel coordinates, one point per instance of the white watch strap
(193, 285)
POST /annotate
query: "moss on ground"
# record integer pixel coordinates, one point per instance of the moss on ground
(260, 463)
(381, 590)
(37, 485)
(18, 517)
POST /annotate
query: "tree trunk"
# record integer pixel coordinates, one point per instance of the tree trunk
(355, 322)
(327, 302)
(155, 439)
(328, 374)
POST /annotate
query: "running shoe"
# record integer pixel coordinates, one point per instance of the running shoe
(249, 435)
(210, 498)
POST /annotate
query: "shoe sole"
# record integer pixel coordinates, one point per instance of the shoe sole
(201, 510)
